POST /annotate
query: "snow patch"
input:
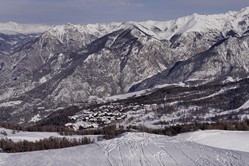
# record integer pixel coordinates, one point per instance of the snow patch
(43, 80)
(10, 103)
(36, 118)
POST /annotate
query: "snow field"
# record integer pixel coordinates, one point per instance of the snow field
(131, 149)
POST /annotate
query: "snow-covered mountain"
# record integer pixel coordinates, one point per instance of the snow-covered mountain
(12, 28)
(132, 149)
(227, 61)
(68, 64)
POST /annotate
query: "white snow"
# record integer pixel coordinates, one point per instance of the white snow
(10, 103)
(217, 93)
(158, 29)
(14, 28)
(244, 106)
(36, 136)
(43, 80)
(36, 117)
(233, 140)
(194, 23)
(127, 95)
(230, 79)
(131, 149)
(141, 92)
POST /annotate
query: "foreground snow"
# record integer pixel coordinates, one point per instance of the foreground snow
(36, 136)
(234, 140)
(131, 149)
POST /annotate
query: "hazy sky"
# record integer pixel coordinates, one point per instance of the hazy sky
(104, 11)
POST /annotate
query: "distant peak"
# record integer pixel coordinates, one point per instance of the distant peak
(244, 11)
(195, 15)
(12, 23)
(15, 28)
(129, 25)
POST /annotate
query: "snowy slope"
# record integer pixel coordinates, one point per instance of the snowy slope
(235, 20)
(36, 136)
(234, 140)
(131, 149)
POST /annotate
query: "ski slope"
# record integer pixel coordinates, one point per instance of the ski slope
(233, 140)
(131, 149)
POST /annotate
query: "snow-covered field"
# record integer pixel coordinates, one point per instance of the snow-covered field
(233, 140)
(35, 136)
(132, 149)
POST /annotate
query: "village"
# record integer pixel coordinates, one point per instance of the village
(90, 120)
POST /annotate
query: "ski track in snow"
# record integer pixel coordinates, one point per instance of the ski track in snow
(131, 149)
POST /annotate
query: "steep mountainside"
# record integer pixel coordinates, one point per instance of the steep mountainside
(70, 64)
(224, 62)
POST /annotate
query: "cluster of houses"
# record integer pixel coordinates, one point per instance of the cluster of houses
(98, 119)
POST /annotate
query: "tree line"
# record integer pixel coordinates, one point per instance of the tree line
(9, 146)
(108, 132)
(177, 129)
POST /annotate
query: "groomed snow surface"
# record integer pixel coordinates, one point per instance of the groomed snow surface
(137, 149)
(233, 140)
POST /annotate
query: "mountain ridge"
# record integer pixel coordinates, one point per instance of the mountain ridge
(39, 28)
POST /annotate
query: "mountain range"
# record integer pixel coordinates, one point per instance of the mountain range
(47, 68)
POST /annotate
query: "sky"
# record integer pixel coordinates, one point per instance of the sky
(105, 11)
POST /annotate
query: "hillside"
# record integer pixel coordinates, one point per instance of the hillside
(131, 149)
